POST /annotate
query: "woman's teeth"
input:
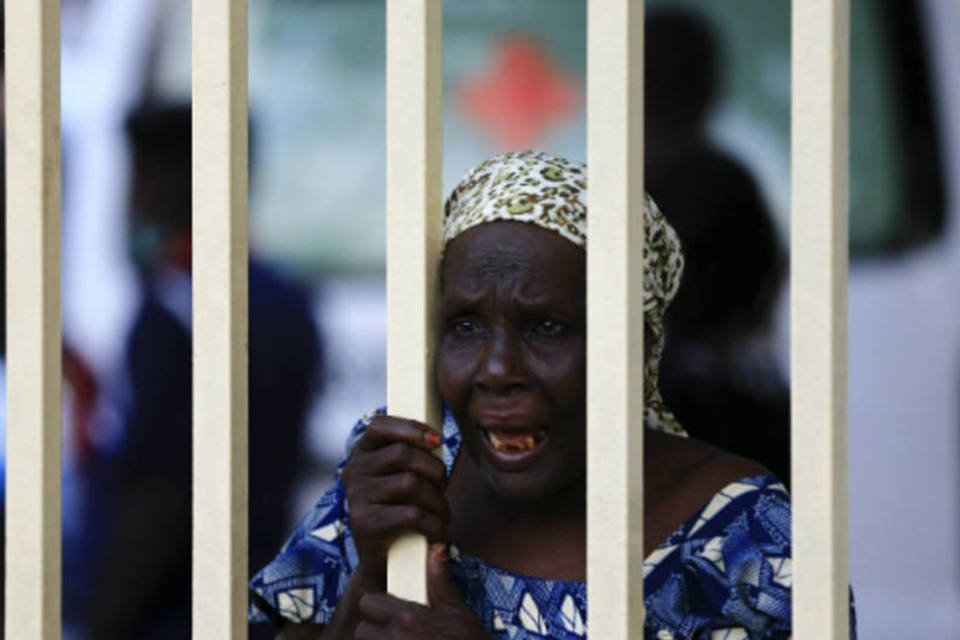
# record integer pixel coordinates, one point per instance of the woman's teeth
(514, 441)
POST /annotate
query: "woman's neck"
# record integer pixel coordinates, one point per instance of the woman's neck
(569, 504)
(543, 538)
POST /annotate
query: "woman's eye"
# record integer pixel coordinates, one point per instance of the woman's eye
(465, 327)
(548, 329)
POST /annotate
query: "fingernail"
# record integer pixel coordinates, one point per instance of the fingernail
(432, 438)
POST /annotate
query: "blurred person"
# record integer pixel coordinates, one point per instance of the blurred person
(139, 516)
(720, 375)
(682, 78)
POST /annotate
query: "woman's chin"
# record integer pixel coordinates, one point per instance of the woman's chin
(514, 489)
(527, 487)
(525, 473)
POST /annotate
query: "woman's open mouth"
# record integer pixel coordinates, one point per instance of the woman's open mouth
(513, 448)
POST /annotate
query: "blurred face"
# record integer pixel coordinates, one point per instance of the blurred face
(511, 362)
(161, 192)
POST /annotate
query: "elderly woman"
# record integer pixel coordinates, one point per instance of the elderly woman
(504, 503)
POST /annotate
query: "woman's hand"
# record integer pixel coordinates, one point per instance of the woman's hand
(394, 484)
(385, 617)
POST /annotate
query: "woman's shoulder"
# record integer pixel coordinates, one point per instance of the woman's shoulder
(683, 476)
(700, 468)
(725, 568)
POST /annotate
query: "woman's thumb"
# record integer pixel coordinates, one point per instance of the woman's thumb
(443, 591)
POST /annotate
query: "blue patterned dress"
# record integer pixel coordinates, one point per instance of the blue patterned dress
(722, 575)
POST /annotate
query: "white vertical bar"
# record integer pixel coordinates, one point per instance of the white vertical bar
(615, 318)
(33, 316)
(819, 318)
(219, 319)
(414, 129)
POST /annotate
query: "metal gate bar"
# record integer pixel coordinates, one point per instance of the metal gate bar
(414, 134)
(33, 317)
(219, 319)
(819, 207)
(615, 154)
(615, 318)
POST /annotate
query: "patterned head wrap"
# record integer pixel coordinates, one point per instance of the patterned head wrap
(551, 192)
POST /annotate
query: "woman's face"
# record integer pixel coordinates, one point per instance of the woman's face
(511, 362)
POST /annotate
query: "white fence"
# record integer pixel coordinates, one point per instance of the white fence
(615, 158)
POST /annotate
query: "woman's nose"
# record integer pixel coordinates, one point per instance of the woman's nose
(501, 367)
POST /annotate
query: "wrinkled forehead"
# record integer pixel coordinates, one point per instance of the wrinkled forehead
(538, 189)
(505, 251)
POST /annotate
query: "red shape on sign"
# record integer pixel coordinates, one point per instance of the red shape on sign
(521, 96)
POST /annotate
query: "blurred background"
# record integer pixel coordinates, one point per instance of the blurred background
(718, 142)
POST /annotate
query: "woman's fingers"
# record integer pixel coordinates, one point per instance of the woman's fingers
(378, 607)
(442, 590)
(385, 430)
(388, 520)
(409, 488)
(395, 484)
(398, 457)
(392, 612)
(370, 631)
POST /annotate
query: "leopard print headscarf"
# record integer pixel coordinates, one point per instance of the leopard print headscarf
(551, 192)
